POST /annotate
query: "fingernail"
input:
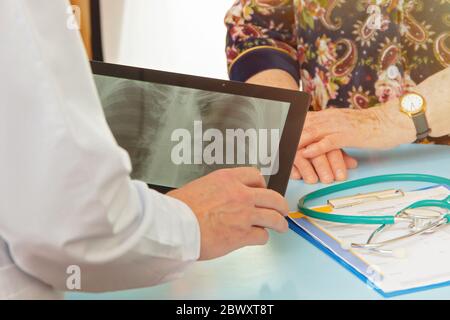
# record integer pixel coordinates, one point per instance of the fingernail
(310, 180)
(340, 175)
(327, 179)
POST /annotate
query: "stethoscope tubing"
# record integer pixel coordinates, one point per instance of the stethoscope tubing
(352, 219)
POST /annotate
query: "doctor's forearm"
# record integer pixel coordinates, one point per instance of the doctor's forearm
(137, 240)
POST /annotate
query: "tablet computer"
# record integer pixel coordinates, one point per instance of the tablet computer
(177, 128)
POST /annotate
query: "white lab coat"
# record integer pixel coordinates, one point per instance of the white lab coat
(65, 193)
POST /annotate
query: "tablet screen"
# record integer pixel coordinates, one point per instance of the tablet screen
(177, 134)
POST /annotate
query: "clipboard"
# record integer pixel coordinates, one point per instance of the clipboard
(327, 244)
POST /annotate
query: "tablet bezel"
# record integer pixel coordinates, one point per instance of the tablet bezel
(299, 104)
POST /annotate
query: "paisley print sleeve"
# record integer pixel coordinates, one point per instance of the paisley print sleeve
(260, 36)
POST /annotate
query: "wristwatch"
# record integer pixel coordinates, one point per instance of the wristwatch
(413, 104)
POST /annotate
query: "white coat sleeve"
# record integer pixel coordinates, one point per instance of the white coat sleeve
(67, 198)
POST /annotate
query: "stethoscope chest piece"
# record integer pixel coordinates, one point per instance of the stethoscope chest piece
(421, 218)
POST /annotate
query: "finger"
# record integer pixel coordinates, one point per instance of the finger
(323, 169)
(317, 126)
(271, 219)
(350, 162)
(306, 138)
(306, 169)
(338, 165)
(295, 174)
(257, 236)
(322, 147)
(269, 199)
(249, 176)
(309, 135)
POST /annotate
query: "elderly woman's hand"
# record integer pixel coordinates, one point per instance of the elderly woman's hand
(380, 127)
(326, 168)
(376, 128)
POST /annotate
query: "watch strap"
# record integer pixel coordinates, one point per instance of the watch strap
(421, 124)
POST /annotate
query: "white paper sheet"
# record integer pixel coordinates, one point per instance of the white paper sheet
(427, 256)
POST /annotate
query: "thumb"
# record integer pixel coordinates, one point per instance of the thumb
(324, 146)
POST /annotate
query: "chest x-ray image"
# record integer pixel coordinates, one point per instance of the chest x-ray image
(176, 134)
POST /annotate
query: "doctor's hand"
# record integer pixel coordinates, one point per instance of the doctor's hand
(234, 209)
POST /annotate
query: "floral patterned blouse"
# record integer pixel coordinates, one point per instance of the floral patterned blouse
(348, 53)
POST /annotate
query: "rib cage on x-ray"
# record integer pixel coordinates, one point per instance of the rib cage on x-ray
(143, 116)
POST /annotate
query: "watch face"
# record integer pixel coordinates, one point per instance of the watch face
(412, 103)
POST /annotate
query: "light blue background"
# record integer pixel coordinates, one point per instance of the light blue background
(289, 267)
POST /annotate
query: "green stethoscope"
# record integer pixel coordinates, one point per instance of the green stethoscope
(421, 215)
